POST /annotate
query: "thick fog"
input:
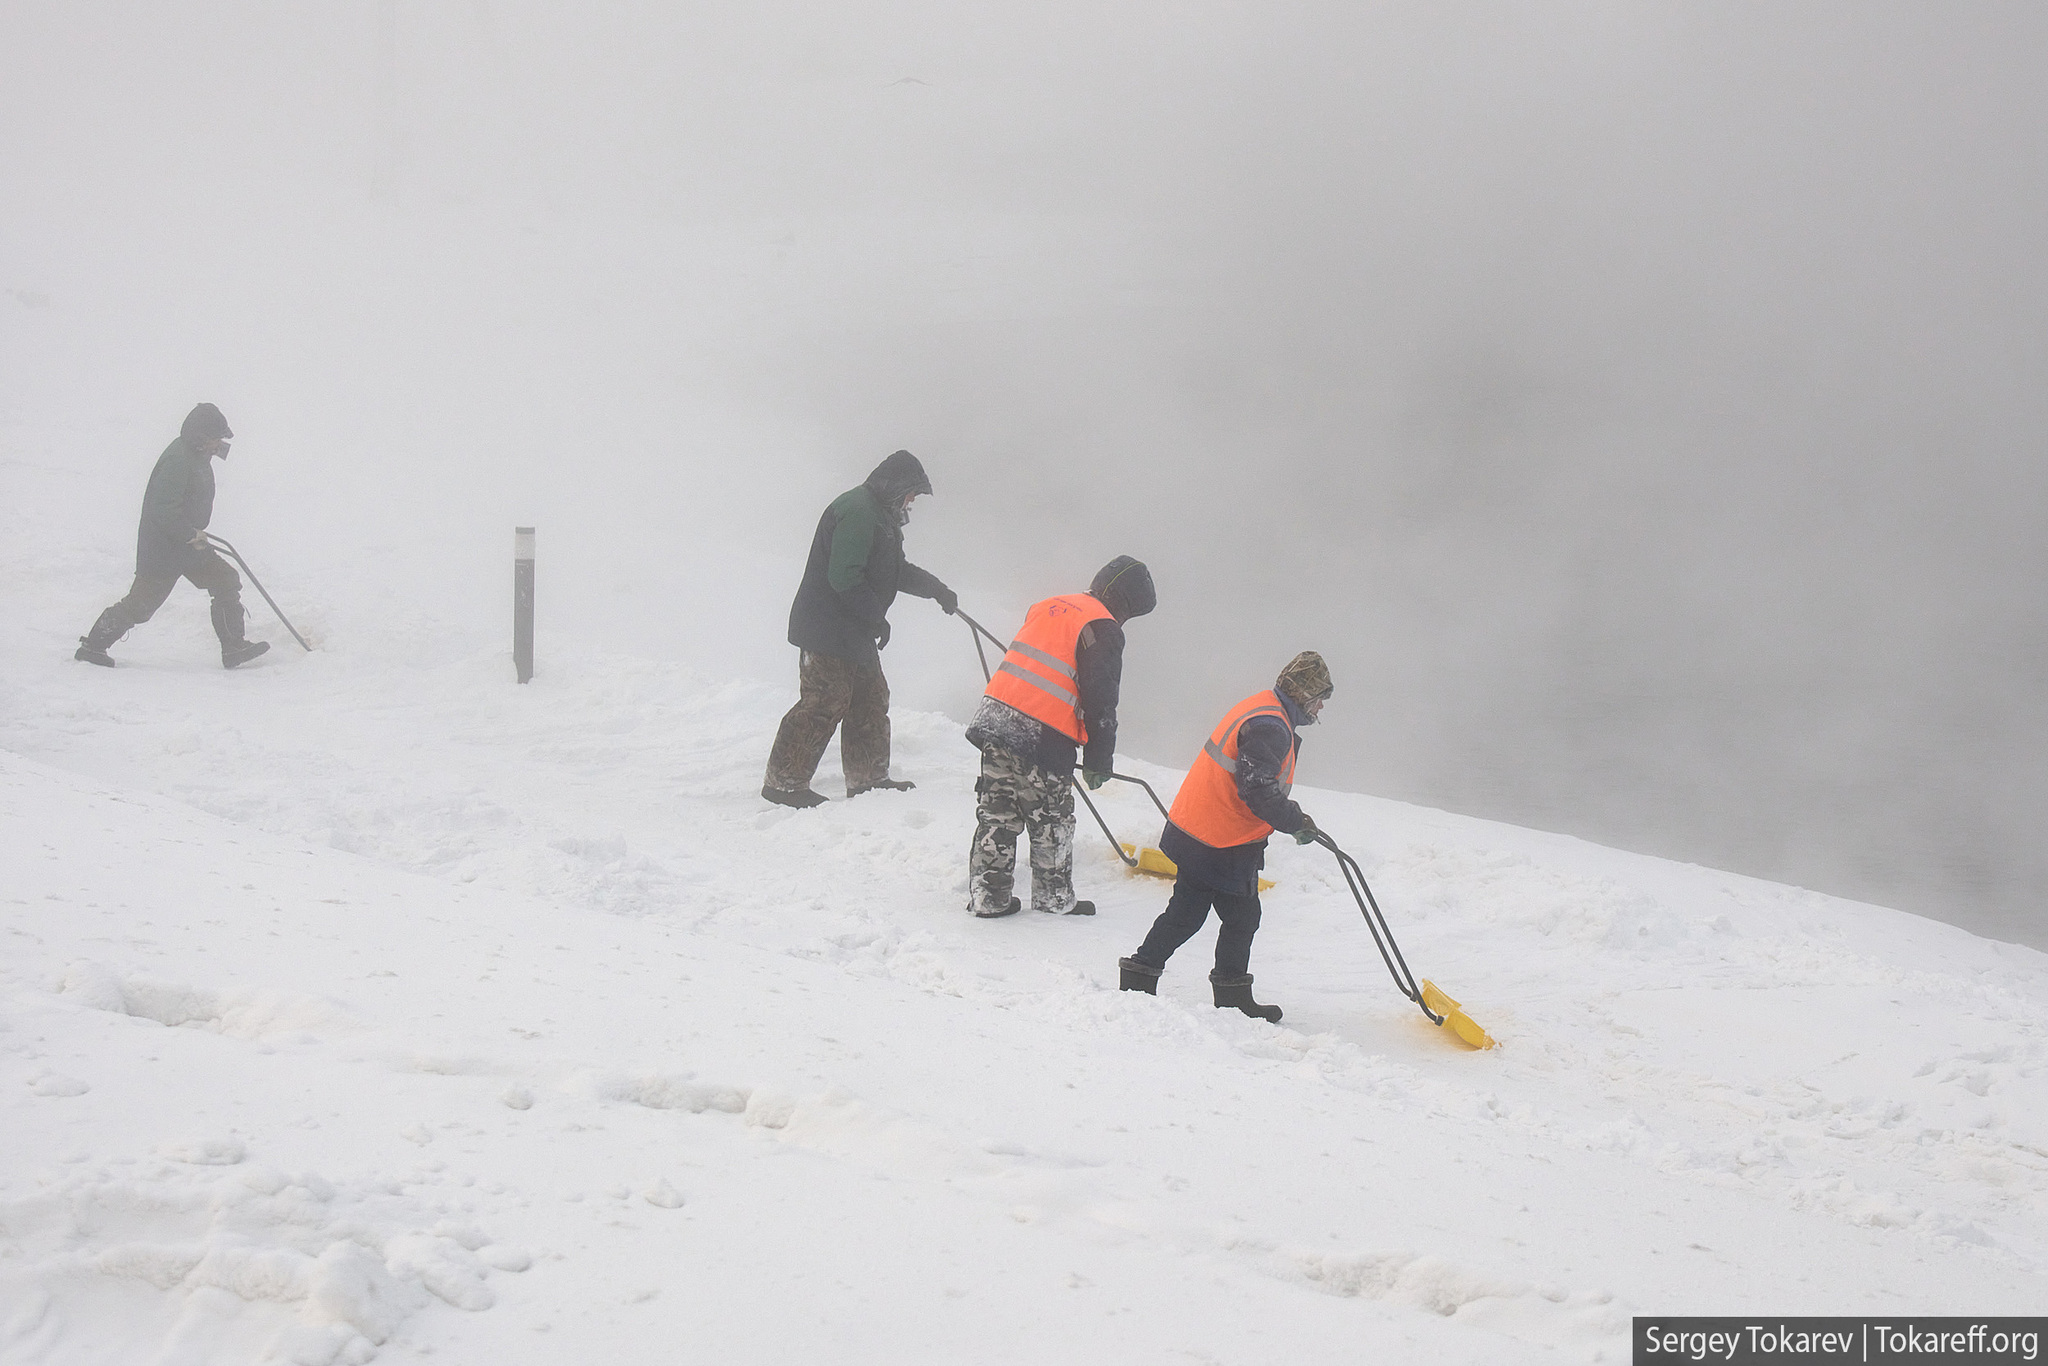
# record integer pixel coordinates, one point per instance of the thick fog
(1641, 407)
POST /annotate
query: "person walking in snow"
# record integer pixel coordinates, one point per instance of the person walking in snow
(1235, 794)
(171, 544)
(840, 621)
(1056, 690)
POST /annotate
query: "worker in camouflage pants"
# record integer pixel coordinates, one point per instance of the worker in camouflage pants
(1014, 796)
(1054, 692)
(851, 695)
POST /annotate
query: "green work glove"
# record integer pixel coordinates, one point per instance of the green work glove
(1093, 779)
(1307, 833)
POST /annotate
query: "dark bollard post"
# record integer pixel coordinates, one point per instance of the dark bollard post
(522, 601)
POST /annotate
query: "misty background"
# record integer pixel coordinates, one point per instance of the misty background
(1641, 407)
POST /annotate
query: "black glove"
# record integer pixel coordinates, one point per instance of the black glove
(947, 599)
(1307, 833)
(882, 636)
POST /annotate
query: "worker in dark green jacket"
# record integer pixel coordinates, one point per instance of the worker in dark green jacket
(171, 544)
(840, 621)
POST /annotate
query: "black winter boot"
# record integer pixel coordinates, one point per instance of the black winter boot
(232, 656)
(1016, 905)
(228, 621)
(802, 801)
(1237, 991)
(1131, 975)
(92, 646)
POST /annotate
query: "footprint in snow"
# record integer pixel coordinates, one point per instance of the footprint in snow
(205, 1152)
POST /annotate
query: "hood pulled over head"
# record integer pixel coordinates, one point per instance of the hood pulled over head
(1306, 678)
(204, 423)
(1124, 586)
(897, 475)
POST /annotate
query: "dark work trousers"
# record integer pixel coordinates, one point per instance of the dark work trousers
(1185, 912)
(206, 570)
(834, 694)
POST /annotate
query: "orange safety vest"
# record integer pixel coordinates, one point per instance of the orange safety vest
(1207, 805)
(1040, 674)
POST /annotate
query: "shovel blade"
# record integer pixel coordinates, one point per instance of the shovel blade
(1159, 865)
(1151, 861)
(1455, 1018)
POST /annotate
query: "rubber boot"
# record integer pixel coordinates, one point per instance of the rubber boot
(228, 620)
(1131, 975)
(1237, 992)
(92, 646)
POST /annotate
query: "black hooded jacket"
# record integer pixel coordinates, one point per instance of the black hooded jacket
(856, 566)
(179, 501)
(177, 506)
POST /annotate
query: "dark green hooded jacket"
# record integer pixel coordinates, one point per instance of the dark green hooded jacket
(856, 566)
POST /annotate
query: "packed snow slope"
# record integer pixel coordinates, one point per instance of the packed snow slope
(363, 1005)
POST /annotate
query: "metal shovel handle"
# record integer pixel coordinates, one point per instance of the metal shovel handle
(977, 633)
(1127, 778)
(219, 544)
(1114, 843)
(1382, 935)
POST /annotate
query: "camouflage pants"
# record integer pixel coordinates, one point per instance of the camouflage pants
(1013, 797)
(834, 694)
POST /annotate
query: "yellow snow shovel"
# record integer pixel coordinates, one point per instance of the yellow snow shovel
(1149, 860)
(1455, 1019)
(1145, 859)
(1435, 1002)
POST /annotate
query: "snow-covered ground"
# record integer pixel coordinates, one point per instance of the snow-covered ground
(361, 1004)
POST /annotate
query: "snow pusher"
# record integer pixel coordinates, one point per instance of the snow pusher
(1434, 1001)
(218, 544)
(1134, 858)
(1153, 861)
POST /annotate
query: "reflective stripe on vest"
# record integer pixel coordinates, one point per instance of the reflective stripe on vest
(1040, 675)
(1207, 805)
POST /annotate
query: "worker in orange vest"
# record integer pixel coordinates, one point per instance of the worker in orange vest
(1053, 696)
(1235, 794)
